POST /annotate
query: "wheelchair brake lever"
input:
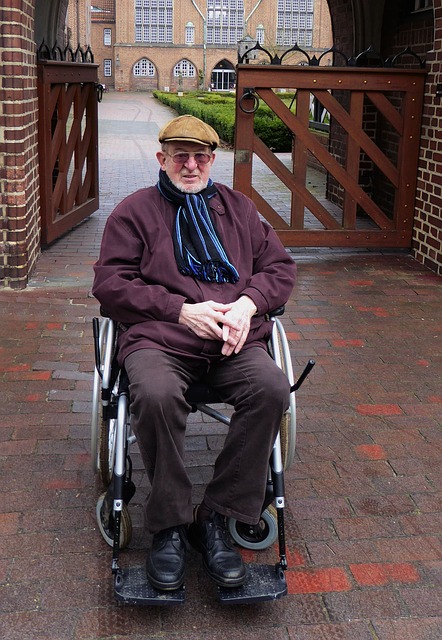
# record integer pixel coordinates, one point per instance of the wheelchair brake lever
(308, 367)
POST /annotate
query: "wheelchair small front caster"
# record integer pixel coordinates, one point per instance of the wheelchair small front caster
(256, 537)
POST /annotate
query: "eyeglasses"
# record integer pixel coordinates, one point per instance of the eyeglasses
(182, 158)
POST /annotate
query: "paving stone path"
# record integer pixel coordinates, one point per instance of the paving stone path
(364, 515)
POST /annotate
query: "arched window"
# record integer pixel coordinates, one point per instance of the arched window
(189, 34)
(144, 67)
(185, 69)
(223, 76)
(260, 33)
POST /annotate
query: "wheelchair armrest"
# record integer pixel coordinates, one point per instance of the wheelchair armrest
(277, 312)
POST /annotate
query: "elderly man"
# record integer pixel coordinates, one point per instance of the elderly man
(190, 271)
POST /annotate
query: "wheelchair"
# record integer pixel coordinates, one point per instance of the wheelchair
(111, 442)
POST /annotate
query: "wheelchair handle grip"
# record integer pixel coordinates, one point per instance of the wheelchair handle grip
(308, 367)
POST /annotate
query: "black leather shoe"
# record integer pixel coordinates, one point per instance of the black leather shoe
(221, 561)
(165, 564)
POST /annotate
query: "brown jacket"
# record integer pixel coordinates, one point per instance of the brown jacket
(137, 281)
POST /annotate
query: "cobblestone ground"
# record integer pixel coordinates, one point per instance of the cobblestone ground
(364, 515)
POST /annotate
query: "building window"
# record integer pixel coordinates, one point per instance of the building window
(107, 68)
(295, 23)
(107, 36)
(153, 20)
(260, 34)
(184, 69)
(145, 68)
(189, 34)
(225, 21)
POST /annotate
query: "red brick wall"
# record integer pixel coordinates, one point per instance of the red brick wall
(19, 199)
(341, 13)
(427, 240)
(421, 31)
(103, 52)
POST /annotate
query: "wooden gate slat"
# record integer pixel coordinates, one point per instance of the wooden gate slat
(367, 91)
(353, 160)
(300, 156)
(390, 113)
(328, 161)
(268, 211)
(353, 130)
(300, 190)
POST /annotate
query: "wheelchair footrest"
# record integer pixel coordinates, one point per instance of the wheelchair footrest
(132, 587)
(264, 582)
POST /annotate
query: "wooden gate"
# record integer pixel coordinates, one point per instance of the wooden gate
(68, 145)
(368, 164)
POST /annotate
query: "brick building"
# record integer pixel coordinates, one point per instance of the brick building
(388, 27)
(160, 44)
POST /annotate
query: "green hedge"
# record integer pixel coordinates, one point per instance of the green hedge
(218, 110)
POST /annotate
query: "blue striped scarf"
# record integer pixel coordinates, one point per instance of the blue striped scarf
(198, 250)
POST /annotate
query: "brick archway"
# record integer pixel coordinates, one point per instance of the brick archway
(50, 18)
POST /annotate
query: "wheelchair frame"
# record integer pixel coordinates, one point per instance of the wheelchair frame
(111, 438)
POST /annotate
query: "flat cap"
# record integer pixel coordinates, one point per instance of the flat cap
(187, 128)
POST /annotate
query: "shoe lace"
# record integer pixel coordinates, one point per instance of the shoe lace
(218, 529)
(171, 533)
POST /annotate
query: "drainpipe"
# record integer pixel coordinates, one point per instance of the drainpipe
(250, 15)
(203, 18)
(78, 23)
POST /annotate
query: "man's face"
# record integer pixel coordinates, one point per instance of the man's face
(192, 175)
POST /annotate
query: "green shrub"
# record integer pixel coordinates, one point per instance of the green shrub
(218, 110)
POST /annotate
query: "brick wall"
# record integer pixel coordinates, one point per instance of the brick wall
(427, 239)
(103, 52)
(19, 199)
(421, 31)
(341, 12)
(78, 29)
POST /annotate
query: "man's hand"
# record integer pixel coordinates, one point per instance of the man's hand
(215, 321)
(236, 325)
(205, 319)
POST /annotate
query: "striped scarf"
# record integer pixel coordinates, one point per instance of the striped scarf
(198, 250)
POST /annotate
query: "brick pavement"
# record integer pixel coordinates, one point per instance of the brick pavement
(364, 514)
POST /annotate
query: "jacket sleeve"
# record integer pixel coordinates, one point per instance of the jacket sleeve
(118, 284)
(274, 270)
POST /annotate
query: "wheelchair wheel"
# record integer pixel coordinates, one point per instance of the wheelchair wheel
(106, 345)
(107, 449)
(281, 354)
(106, 525)
(95, 421)
(256, 537)
(287, 439)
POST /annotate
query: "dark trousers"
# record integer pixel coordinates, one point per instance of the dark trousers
(259, 393)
